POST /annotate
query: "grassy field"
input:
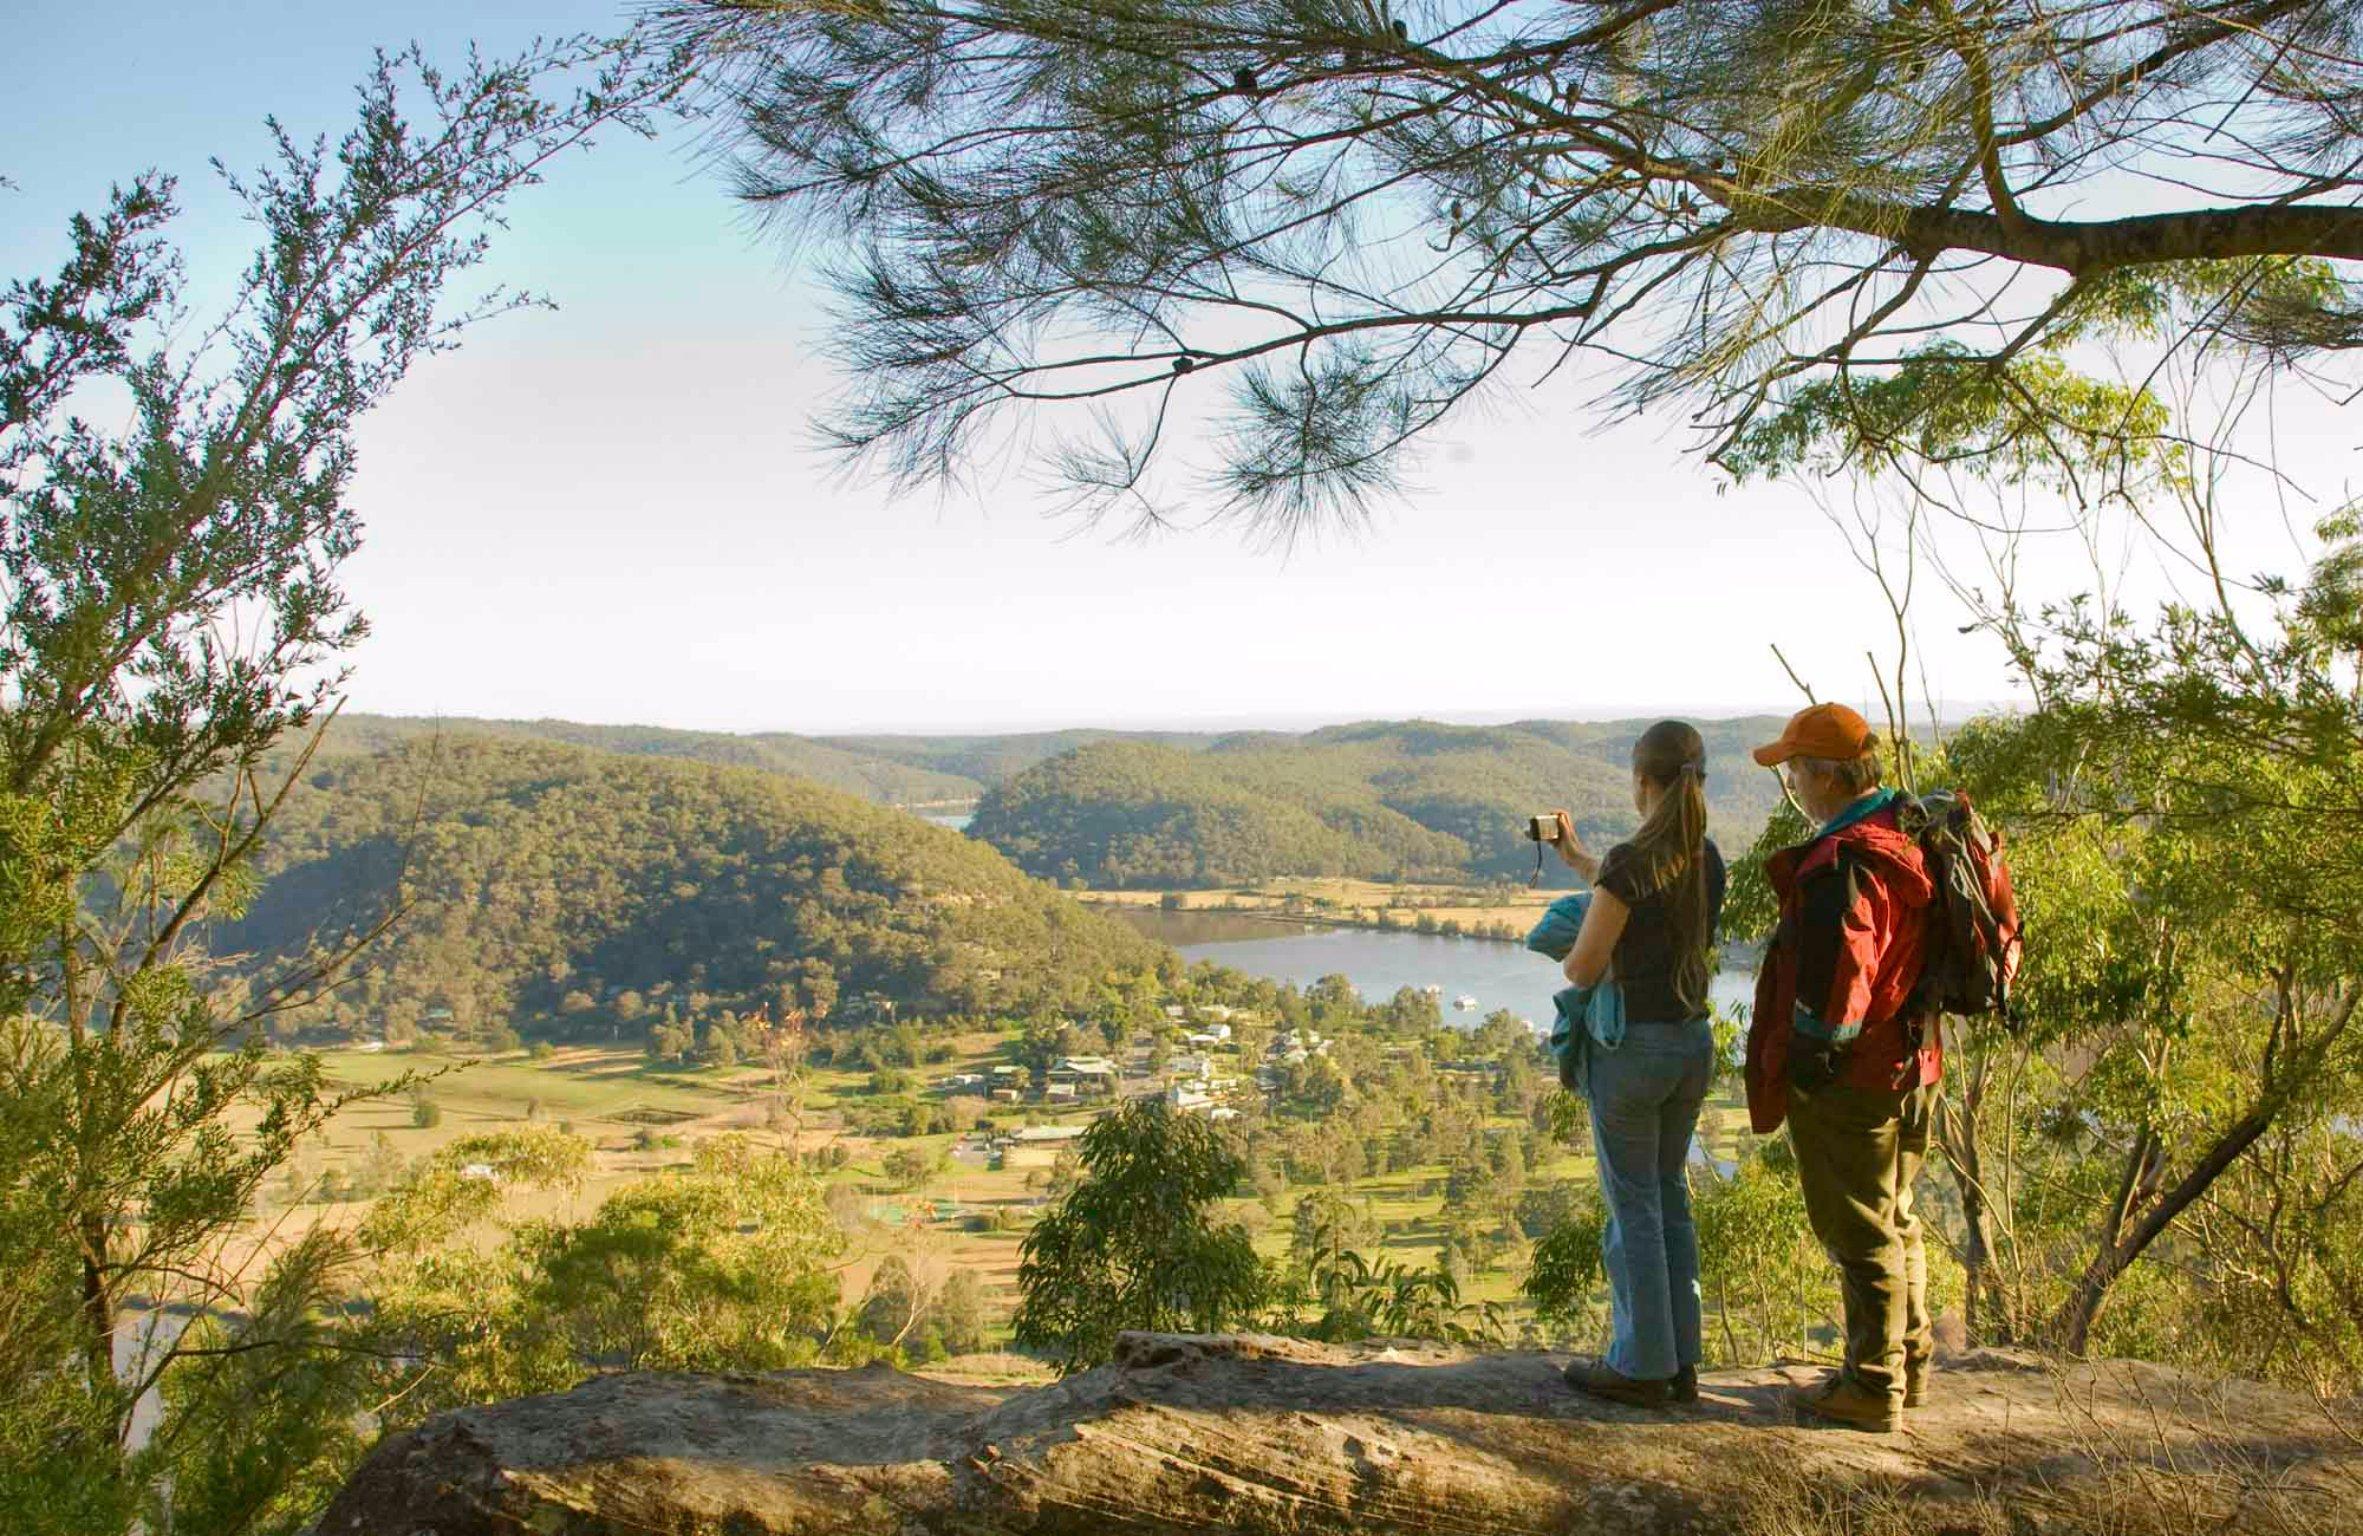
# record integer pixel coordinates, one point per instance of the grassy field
(1359, 903)
(641, 1119)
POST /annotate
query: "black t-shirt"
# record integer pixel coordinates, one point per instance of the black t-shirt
(1645, 958)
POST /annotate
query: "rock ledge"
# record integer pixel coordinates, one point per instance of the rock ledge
(1247, 1434)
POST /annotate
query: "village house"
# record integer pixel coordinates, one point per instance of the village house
(1036, 1146)
(1084, 1077)
(1296, 1047)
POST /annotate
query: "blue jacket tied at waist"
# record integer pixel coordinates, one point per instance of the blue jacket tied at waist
(1587, 1017)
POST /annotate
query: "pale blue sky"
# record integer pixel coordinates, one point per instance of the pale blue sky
(613, 513)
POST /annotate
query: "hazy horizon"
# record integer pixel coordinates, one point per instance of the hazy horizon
(1293, 724)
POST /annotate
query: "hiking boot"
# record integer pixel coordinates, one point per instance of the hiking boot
(1684, 1387)
(1597, 1378)
(1916, 1374)
(1842, 1403)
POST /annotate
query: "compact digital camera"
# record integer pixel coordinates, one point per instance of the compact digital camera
(1542, 829)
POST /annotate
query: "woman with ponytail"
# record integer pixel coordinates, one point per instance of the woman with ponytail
(1651, 927)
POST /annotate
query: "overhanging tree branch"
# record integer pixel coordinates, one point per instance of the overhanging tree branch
(1718, 200)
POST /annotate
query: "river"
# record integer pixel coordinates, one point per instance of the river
(1497, 975)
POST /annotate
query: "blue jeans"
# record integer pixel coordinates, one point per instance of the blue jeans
(1646, 1095)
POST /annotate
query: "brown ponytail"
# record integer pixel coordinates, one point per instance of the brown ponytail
(1669, 852)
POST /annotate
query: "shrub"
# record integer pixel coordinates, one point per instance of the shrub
(1134, 1244)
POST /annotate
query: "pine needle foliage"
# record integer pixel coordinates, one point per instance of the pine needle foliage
(1349, 219)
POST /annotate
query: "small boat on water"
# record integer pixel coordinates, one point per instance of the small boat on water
(1464, 1003)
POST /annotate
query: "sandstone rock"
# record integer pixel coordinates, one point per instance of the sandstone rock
(1246, 1434)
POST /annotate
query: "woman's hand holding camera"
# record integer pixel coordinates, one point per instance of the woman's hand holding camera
(1569, 845)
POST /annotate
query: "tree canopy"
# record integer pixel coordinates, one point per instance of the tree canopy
(1360, 214)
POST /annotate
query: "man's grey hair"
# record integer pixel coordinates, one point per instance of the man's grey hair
(1855, 774)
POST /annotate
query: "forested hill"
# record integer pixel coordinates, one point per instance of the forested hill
(570, 890)
(888, 777)
(891, 770)
(1411, 799)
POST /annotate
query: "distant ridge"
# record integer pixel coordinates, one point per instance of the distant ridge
(874, 776)
(1381, 799)
(924, 769)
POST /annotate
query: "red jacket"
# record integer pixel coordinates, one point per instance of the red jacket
(1843, 962)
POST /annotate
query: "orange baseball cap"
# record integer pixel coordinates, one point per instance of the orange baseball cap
(1826, 730)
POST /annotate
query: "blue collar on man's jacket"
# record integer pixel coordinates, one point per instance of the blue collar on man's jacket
(1871, 804)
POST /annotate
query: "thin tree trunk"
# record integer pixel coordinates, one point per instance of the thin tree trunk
(98, 1303)
(1985, 1319)
(1986, 1316)
(2122, 1244)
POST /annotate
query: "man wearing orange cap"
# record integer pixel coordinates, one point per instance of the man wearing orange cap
(1840, 1049)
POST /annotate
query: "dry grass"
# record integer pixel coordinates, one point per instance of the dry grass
(2179, 1463)
(1358, 903)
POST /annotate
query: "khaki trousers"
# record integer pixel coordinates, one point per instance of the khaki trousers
(1859, 1151)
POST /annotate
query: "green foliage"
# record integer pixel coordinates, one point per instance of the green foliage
(462, 1184)
(1123, 813)
(726, 1265)
(1363, 1299)
(911, 1167)
(959, 1313)
(1765, 1280)
(1565, 1269)
(2032, 419)
(282, 1394)
(723, 1267)
(1135, 1244)
(1324, 1227)
(1749, 907)
(2179, 1123)
(171, 637)
(895, 1304)
(902, 1312)
(1544, 1208)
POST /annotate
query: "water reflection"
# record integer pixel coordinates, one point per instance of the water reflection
(1493, 974)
